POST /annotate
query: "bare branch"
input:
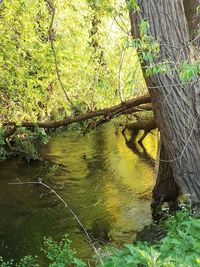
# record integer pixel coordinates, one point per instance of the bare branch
(51, 38)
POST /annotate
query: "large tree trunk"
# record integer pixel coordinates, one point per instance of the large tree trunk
(193, 17)
(175, 104)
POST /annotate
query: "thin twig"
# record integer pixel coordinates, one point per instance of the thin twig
(120, 75)
(124, 30)
(14, 149)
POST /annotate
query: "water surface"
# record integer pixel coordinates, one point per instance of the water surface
(106, 179)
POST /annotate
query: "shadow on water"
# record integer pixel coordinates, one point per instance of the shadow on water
(139, 148)
(103, 178)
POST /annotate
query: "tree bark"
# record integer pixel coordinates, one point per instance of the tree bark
(176, 105)
(193, 17)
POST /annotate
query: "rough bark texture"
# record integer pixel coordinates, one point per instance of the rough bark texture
(165, 189)
(192, 16)
(176, 105)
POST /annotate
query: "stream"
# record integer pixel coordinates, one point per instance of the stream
(106, 180)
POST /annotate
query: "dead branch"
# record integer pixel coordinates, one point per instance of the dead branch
(14, 149)
(9, 132)
(127, 107)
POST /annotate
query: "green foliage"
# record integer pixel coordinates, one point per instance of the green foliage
(148, 50)
(144, 27)
(41, 135)
(3, 152)
(132, 5)
(5, 264)
(60, 254)
(25, 73)
(28, 261)
(53, 169)
(88, 42)
(157, 69)
(183, 239)
(25, 140)
(179, 249)
(103, 7)
(2, 131)
(188, 72)
(87, 47)
(89, 38)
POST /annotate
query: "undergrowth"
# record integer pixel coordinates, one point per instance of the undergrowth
(180, 248)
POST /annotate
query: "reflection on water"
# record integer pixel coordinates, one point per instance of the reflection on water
(106, 179)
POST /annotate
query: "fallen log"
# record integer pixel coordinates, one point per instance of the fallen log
(127, 107)
(97, 118)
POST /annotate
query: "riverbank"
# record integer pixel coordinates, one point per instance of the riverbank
(179, 248)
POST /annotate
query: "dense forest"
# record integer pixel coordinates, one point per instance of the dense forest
(66, 60)
(74, 67)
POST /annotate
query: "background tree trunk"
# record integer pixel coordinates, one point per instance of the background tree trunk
(175, 104)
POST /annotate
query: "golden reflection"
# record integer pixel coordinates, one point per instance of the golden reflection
(114, 174)
(133, 177)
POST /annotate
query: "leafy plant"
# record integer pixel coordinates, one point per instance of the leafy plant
(28, 261)
(182, 239)
(60, 254)
(53, 169)
(188, 72)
